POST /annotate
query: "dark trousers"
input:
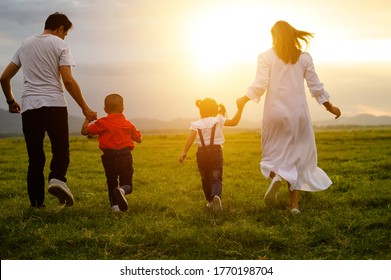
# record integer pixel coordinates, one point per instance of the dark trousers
(54, 122)
(210, 166)
(118, 165)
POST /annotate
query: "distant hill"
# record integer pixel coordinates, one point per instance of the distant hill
(11, 124)
(359, 120)
(180, 124)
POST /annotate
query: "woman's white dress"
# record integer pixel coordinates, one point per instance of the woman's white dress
(288, 140)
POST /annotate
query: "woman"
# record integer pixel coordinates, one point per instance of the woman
(288, 140)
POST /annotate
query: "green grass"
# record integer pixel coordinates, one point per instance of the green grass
(167, 217)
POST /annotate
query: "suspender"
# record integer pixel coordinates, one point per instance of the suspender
(212, 137)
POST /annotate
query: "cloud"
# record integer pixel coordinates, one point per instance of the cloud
(138, 48)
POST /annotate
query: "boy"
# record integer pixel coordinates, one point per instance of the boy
(115, 135)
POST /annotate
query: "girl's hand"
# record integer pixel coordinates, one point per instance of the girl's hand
(182, 157)
(240, 102)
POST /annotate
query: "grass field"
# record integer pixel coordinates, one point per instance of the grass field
(167, 217)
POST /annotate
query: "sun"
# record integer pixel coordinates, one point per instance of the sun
(224, 36)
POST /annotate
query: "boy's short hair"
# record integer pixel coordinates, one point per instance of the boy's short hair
(114, 103)
(57, 20)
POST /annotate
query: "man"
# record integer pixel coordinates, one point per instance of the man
(46, 60)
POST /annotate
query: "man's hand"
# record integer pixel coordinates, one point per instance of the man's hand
(90, 115)
(14, 107)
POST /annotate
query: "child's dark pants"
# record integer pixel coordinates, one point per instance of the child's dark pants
(210, 165)
(118, 165)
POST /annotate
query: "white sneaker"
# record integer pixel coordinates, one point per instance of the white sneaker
(295, 211)
(115, 208)
(60, 190)
(272, 192)
(217, 207)
(209, 205)
(119, 195)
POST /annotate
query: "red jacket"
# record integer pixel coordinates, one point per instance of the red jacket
(115, 132)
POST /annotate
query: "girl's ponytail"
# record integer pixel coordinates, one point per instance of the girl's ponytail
(222, 110)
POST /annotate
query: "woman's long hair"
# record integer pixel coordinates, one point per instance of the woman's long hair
(286, 41)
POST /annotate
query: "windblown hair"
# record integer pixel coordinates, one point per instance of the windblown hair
(286, 41)
(114, 103)
(209, 108)
(57, 20)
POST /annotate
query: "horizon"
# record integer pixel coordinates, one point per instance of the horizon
(12, 125)
(164, 59)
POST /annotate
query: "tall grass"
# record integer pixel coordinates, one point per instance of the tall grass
(167, 218)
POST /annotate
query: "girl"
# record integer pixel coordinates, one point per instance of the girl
(288, 140)
(208, 135)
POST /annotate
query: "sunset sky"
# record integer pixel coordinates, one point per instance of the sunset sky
(163, 55)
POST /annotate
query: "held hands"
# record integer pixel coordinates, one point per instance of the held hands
(84, 128)
(90, 115)
(240, 102)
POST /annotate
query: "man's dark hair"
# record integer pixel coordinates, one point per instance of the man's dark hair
(56, 20)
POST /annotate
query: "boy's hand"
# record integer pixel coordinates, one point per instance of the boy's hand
(84, 127)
